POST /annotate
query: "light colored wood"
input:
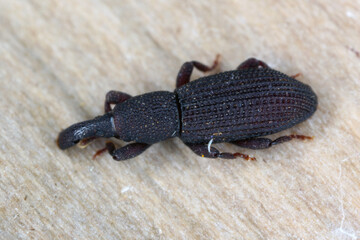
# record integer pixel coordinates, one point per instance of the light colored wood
(59, 58)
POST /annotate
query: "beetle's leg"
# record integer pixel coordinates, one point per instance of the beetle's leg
(261, 143)
(202, 150)
(186, 69)
(296, 75)
(252, 63)
(128, 151)
(114, 97)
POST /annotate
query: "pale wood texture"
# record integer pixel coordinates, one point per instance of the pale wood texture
(59, 58)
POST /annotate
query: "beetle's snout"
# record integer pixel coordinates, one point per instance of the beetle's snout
(98, 127)
(69, 137)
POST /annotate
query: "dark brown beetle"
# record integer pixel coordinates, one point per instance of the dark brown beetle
(236, 106)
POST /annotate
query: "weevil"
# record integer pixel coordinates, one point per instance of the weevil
(238, 107)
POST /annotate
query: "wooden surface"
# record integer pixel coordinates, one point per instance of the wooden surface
(59, 58)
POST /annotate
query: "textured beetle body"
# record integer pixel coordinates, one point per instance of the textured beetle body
(148, 118)
(242, 104)
(236, 106)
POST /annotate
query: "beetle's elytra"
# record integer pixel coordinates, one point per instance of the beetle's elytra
(236, 106)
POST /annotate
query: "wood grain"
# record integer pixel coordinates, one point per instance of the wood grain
(59, 58)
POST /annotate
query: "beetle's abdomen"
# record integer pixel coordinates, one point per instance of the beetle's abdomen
(242, 104)
(147, 118)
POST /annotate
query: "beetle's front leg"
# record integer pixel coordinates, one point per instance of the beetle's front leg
(252, 63)
(124, 153)
(115, 97)
(186, 69)
(203, 150)
(261, 143)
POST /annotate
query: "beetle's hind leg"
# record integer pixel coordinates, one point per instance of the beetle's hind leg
(261, 143)
(114, 97)
(124, 153)
(252, 63)
(186, 69)
(296, 75)
(255, 63)
(203, 150)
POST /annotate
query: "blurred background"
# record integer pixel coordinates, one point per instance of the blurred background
(58, 59)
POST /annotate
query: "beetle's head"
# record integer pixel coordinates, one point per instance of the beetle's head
(86, 131)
